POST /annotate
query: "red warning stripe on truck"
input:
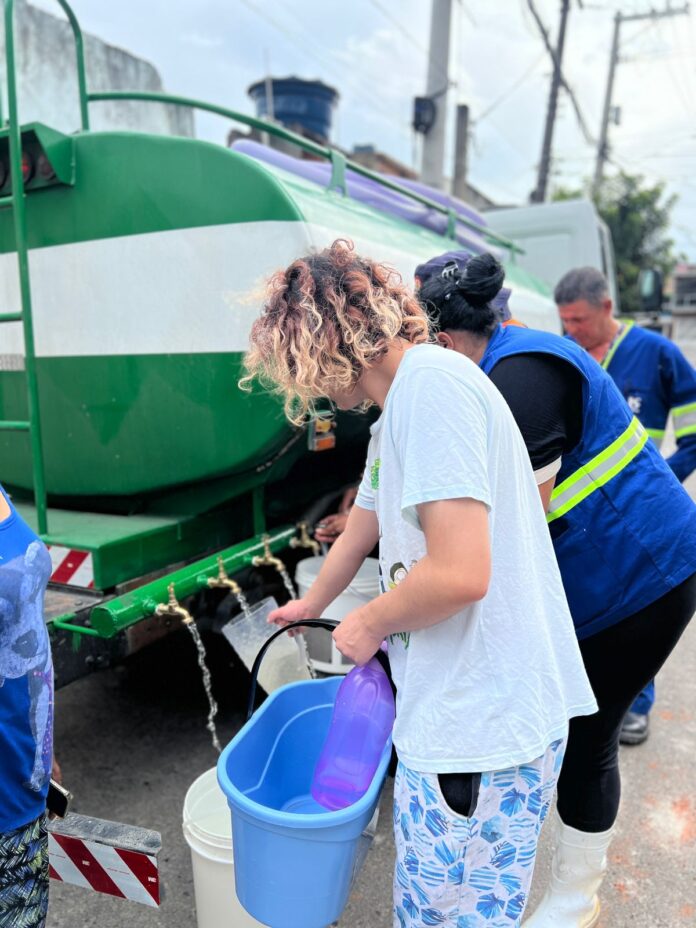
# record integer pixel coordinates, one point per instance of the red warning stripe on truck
(71, 567)
(102, 868)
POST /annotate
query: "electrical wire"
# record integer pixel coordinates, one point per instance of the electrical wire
(411, 38)
(467, 12)
(385, 114)
(400, 26)
(365, 91)
(564, 83)
(511, 89)
(687, 104)
(687, 72)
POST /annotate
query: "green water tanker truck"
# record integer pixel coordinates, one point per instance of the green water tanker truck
(132, 267)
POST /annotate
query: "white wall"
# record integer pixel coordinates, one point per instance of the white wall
(45, 60)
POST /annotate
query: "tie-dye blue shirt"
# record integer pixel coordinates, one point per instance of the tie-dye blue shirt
(26, 675)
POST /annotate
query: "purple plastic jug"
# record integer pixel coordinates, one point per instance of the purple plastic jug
(362, 721)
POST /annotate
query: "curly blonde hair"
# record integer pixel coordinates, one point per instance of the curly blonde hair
(327, 318)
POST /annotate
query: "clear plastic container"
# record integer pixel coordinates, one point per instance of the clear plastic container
(361, 725)
(285, 662)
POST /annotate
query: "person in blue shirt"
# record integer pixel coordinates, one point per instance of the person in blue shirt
(656, 381)
(26, 722)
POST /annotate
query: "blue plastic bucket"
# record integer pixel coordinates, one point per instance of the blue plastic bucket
(293, 860)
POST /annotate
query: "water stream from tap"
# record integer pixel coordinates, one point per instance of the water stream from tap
(207, 684)
(299, 639)
(243, 602)
(287, 582)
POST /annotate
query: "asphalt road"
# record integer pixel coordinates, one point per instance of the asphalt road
(132, 740)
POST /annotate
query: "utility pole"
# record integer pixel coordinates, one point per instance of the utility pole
(432, 166)
(619, 19)
(538, 195)
(461, 150)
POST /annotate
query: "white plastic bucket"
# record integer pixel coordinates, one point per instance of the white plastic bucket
(208, 832)
(323, 654)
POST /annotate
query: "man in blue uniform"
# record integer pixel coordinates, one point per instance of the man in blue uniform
(655, 379)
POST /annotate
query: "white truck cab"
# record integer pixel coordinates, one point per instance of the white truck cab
(557, 237)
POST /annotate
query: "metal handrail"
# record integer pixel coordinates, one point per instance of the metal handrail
(80, 55)
(338, 161)
(20, 227)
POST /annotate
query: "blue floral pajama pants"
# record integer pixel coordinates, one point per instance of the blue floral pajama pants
(459, 872)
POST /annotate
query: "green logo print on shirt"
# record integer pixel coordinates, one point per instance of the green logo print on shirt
(374, 474)
(405, 637)
(397, 573)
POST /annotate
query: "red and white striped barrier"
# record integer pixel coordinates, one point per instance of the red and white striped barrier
(71, 567)
(89, 862)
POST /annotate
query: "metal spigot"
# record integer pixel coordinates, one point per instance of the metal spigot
(172, 607)
(267, 559)
(304, 541)
(224, 580)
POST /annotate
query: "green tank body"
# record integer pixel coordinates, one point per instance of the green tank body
(146, 275)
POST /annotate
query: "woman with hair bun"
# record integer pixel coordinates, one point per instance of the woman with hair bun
(483, 654)
(629, 577)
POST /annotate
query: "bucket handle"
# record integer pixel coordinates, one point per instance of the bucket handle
(327, 624)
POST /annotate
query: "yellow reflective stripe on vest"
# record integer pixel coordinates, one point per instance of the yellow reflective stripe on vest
(628, 325)
(684, 418)
(657, 435)
(597, 472)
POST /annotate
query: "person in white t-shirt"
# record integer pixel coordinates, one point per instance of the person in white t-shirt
(481, 643)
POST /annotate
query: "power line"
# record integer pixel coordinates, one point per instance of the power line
(564, 83)
(687, 87)
(411, 38)
(467, 12)
(681, 90)
(400, 26)
(511, 89)
(294, 38)
(365, 91)
(538, 195)
(619, 19)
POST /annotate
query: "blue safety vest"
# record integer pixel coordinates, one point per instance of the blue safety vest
(656, 379)
(623, 527)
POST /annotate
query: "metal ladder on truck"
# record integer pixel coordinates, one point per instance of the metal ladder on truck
(16, 202)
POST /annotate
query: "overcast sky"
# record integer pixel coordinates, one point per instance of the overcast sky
(375, 53)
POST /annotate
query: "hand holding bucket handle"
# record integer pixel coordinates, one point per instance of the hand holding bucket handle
(327, 624)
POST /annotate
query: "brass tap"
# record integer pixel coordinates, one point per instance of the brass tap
(224, 580)
(267, 559)
(304, 541)
(172, 607)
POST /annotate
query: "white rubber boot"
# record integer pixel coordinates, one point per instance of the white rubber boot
(577, 871)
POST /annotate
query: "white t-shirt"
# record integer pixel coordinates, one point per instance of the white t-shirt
(494, 685)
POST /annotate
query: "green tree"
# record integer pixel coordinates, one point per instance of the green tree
(638, 216)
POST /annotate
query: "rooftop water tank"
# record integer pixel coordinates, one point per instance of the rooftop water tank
(307, 105)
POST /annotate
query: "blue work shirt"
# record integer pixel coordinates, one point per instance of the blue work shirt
(26, 675)
(656, 379)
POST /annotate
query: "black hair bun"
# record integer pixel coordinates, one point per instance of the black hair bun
(481, 280)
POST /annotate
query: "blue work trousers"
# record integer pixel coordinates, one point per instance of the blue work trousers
(644, 701)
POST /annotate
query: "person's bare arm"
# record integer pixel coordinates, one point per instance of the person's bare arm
(342, 562)
(454, 573)
(332, 526)
(545, 491)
